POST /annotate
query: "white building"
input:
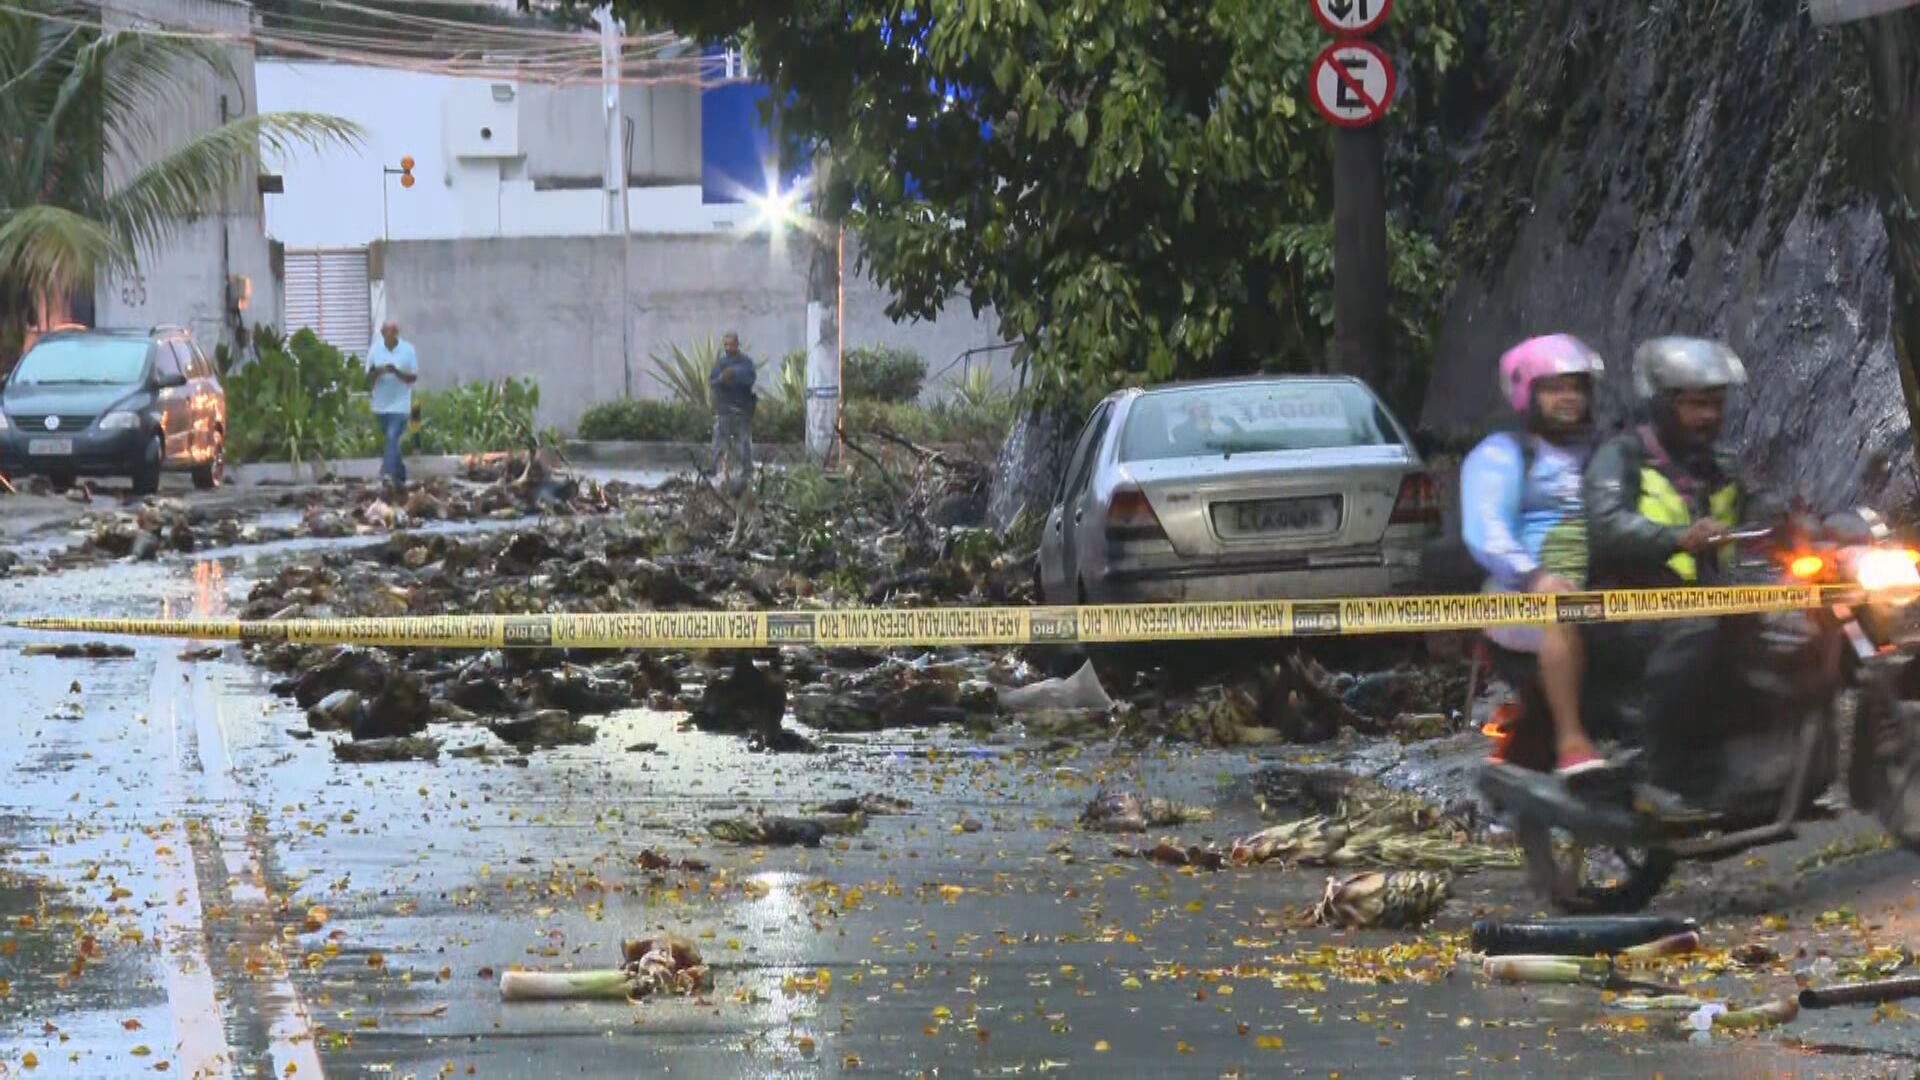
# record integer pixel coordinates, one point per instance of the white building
(213, 265)
(491, 158)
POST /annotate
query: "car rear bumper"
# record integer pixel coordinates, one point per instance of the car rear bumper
(1309, 577)
(93, 453)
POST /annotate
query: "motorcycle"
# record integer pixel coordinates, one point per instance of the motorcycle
(1732, 724)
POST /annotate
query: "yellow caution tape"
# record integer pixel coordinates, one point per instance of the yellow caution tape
(1090, 623)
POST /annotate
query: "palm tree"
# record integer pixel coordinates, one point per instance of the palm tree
(80, 194)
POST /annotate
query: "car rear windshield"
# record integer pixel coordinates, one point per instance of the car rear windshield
(1252, 418)
(83, 360)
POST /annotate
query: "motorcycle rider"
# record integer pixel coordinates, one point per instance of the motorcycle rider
(1523, 521)
(1661, 496)
(1661, 499)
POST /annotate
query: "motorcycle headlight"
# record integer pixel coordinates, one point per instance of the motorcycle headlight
(120, 421)
(1888, 568)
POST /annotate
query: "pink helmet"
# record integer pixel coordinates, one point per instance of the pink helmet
(1543, 358)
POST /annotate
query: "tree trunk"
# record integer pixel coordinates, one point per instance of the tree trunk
(823, 323)
(1892, 45)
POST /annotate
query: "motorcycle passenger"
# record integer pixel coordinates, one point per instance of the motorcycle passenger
(1524, 523)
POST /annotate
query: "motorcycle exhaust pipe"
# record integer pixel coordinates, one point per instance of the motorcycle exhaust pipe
(1866, 993)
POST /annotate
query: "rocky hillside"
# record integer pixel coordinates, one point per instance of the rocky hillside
(1662, 167)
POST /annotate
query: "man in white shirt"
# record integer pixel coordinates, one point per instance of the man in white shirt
(392, 370)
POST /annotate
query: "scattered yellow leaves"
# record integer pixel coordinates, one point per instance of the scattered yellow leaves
(1270, 1042)
(30, 1061)
(1196, 906)
(1101, 1047)
(1182, 1048)
(950, 893)
(1130, 983)
(851, 1061)
(941, 1012)
(141, 1051)
(316, 918)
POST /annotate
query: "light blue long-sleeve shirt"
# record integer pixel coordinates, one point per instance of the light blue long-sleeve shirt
(1517, 524)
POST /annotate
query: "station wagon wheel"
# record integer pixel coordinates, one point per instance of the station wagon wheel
(214, 472)
(146, 471)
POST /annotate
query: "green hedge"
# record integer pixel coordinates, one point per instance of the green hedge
(884, 374)
(779, 421)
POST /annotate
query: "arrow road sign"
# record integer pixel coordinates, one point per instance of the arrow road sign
(1352, 83)
(1351, 18)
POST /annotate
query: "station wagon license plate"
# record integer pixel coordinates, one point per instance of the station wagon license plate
(1278, 517)
(50, 447)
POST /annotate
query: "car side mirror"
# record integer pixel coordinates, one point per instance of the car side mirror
(170, 379)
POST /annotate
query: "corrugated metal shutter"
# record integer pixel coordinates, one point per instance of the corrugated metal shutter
(326, 291)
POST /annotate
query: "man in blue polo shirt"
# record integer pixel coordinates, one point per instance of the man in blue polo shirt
(392, 369)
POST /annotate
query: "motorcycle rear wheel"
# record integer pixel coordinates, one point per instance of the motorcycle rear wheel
(1568, 884)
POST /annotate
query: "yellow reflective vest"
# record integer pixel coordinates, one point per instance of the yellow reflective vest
(1661, 502)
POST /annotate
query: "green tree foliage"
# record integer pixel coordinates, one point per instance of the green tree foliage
(1156, 192)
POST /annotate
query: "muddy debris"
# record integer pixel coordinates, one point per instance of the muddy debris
(654, 862)
(777, 831)
(91, 650)
(370, 751)
(1127, 811)
(209, 652)
(1167, 853)
(892, 695)
(747, 700)
(547, 728)
(870, 804)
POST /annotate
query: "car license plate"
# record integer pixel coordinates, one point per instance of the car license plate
(49, 447)
(1279, 517)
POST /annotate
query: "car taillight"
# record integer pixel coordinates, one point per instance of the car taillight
(1130, 517)
(1419, 501)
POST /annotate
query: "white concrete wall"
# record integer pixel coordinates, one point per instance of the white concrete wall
(185, 282)
(550, 308)
(334, 199)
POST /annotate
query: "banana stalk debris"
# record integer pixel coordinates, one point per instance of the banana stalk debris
(1320, 841)
(1400, 900)
(659, 964)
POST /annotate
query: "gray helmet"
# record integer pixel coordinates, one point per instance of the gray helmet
(1669, 364)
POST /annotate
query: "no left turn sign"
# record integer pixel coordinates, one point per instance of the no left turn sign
(1351, 18)
(1352, 83)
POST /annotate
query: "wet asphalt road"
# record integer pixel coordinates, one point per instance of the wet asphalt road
(189, 888)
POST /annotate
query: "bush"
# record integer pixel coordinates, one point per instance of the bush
(883, 373)
(684, 371)
(647, 420)
(297, 401)
(476, 417)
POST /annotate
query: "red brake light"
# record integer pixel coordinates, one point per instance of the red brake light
(1130, 517)
(1419, 501)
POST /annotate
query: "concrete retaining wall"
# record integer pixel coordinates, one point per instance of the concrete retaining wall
(550, 308)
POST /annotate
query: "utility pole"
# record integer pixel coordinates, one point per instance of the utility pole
(616, 174)
(824, 333)
(1352, 82)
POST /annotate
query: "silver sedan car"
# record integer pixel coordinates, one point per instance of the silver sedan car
(1243, 489)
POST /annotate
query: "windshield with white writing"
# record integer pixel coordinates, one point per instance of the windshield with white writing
(83, 361)
(1253, 418)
